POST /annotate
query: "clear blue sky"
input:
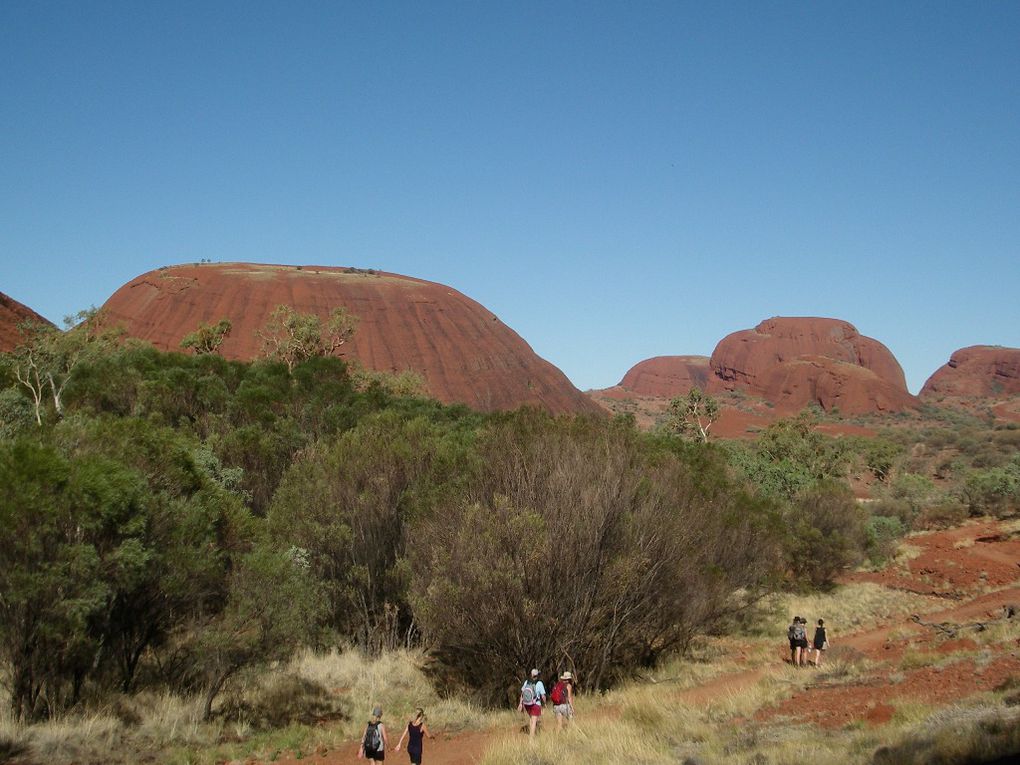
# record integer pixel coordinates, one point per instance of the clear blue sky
(615, 180)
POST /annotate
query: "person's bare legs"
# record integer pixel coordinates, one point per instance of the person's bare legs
(532, 725)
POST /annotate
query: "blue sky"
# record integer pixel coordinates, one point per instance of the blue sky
(614, 180)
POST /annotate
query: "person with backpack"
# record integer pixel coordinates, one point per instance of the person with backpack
(532, 698)
(793, 642)
(799, 641)
(820, 642)
(562, 697)
(415, 734)
(373, 743)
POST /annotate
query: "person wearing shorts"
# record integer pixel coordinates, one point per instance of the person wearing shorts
(564, 712)
(364, 751)
(534, 709)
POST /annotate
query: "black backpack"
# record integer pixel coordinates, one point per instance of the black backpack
(373, 738)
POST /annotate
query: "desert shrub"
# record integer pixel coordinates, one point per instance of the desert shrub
(346, 504)
(827, 533)
(15, 413)
(946, 514)
(882, 534)
(283, 700)
(789, 457)
(957, 736)
(581, 545)
(994, 490)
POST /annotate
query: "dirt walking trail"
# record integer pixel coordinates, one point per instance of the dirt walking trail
(974, 568)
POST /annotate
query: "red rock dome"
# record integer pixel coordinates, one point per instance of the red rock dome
(666, 376)
(463, 351)
(987, 371)
(794, 362)
(13, 313)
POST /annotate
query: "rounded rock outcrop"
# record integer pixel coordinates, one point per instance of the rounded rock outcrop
(666, 376)
(794, 362)
(464, 353)
(13, 313)
(978, 371)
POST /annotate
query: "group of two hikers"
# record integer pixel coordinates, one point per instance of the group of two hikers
(799, 646)
(375, 741)
(533, 697)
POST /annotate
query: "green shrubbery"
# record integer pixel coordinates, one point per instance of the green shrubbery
(180, 518)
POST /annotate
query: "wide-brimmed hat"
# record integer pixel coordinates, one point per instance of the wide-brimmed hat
(566, 676)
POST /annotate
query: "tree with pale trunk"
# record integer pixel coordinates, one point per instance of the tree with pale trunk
(693, 415)
(46, 362)
(208, 337)
(293, 337)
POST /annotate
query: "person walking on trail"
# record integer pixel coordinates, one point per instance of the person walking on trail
(562, 697)
(797, 632)
(415, 733)
(820, 642)
(790, 631)
(532, 698)
(374, 743)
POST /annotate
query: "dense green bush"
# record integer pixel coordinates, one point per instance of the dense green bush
(584, 546)
(827, 533)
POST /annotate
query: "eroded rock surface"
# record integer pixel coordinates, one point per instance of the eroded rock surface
(13, 313)
(464, 352)
(985, 371)
(793, 362)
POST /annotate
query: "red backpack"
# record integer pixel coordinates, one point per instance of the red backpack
(559, 693)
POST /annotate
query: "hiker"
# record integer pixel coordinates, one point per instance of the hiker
(820, 643)
(532, 698)
(798, 641)
(373, 743)
(793, 641)
(415, 733)
(562, 697)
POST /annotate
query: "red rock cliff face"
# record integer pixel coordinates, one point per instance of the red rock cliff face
(986, 371)
(794, 362)
(465, 353)
(12, 313)
(666, 376)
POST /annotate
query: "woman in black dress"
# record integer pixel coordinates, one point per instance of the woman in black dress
(820, 643)
(415, 734)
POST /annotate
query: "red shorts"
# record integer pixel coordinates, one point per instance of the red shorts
(535, 710)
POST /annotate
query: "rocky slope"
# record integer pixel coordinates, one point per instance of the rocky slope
(665, 376)
(985, 371)
(12, 313)
(793, 362)
(464, 353)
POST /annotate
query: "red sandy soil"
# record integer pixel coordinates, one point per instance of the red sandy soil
(955, 563)
(961, 575)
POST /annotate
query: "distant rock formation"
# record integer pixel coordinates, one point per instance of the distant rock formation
(13, 313)
(667, 376)
(793, 362)
(464, 352)
(979, 371)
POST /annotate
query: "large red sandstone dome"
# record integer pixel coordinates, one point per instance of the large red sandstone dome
(666, 376)
(980, 370)
(794, 362)
(13, 313)
(465, 354)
